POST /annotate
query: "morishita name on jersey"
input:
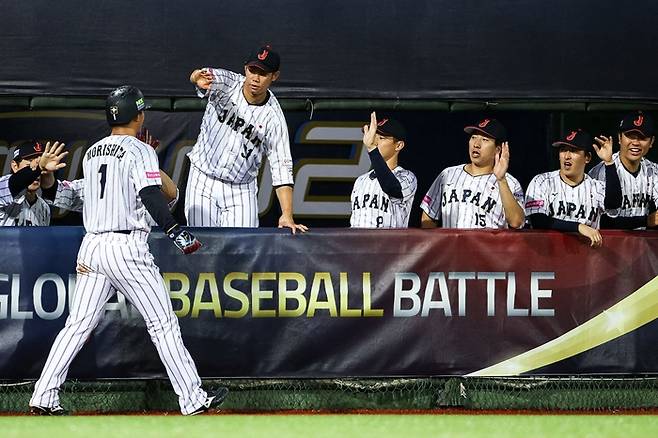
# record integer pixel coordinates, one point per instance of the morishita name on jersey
(106, 150)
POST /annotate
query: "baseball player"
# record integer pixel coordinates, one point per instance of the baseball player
(122, 182)
(480, 194)
(242, 122)
(636, 174)
(568, 199)
(382, 197)
(20, 203)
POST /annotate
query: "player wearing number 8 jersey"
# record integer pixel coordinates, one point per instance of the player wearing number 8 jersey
(122, 183)
(382, 197)
(480, 194)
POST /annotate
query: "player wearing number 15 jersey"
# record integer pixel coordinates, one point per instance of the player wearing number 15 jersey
(480, 194)
(382, 197)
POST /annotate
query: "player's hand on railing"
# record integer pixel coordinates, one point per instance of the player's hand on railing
(592, 234)
(603, 148)
(51, 157)
(286, 221)
(184, 240)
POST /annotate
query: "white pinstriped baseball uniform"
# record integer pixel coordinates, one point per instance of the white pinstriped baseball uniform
(548, 194)
(17, 211)
(637, 190)
(115, 249)
(234, 136)
(372, 208)
(460, 200)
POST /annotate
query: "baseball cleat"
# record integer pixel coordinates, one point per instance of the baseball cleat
(42, 410)
(212, 401)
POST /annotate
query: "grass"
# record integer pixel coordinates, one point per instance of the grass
(376, 426)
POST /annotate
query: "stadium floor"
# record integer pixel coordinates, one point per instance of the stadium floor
(345, 425)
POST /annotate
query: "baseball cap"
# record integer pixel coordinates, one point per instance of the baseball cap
(389, 127)
(264, 58)
(639, 122)
(27, 150)
(490, 127)
(578, 139)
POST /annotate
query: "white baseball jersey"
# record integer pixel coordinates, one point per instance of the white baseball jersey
(116, 254)
(637, 190)
(17, 211)
(461, 200)
(234, 135)
(372, 208)
(548, 194)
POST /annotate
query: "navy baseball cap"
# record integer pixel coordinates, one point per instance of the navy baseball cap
(27, 150)
(578, 139)
(638, 122)
(389, 127)
(264, 58)
(491, 128)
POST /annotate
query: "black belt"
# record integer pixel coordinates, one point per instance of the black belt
(123, 231)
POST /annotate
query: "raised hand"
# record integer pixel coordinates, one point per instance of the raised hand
(501, 162)
(145, 136)
(369, 132)
(51, 157)
(603, 148)
(201, 78)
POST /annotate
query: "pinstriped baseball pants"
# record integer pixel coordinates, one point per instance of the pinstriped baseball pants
(120, 262)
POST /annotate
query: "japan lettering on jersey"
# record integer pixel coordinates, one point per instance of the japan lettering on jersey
(459, 200)
(17, 211)
(549, 195)
(638, 191)
(372, 208)
(234, 134)
(116, 168)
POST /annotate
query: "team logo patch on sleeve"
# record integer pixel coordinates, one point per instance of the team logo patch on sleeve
(534, 203)
(153, 174)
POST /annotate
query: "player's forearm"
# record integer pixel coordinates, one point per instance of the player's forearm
(155, 204)
(21, 180)
(541, 221)
(612, 188)
(168, 188)
(624, 223)
(387, 180)
(284, 195)
(514, 214)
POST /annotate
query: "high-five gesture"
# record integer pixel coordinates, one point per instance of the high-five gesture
(201, 78)
(603, 148)
(501, 162)
(51, 157)
(369, 132)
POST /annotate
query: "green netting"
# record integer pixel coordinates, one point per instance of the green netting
(257, 395)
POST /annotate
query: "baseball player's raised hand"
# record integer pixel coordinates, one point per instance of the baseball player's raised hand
(501, 162)
(51, 157)
(369, 132)
(603, 148)
(201, 78)
(145, 136)
(592, 234)
(286, 221)
(184, 240)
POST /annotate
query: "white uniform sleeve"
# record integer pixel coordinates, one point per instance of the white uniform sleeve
(431, 203)
(5, 193)
(409, 184)
(223, 80)
(516, 189)
(598, 172)
(536, 198)
(278, 151)
(145, 169)
(70, 195)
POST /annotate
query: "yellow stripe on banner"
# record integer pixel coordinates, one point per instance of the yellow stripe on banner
(637, 309)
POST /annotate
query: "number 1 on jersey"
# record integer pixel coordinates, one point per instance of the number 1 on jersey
(103, 172)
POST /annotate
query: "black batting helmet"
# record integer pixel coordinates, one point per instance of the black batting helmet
(123, 105)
